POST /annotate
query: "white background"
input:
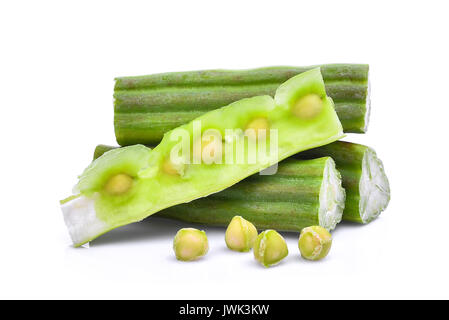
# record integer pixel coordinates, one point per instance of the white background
(57, 64)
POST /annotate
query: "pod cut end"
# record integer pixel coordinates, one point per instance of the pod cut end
(332, 197)
(81, 220)
(374, 187)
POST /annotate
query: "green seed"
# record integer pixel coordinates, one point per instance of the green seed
(190, 244)
(308, 107)
(240, 235)
(118, 184)
(270, 248)
(314, 243)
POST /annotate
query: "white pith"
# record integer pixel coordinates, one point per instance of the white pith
(262, 246)
(332, 197)
(374, 187)
(368, 105)
(81, 219)
(317, 250)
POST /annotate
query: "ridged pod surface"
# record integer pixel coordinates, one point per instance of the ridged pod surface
(146, 107)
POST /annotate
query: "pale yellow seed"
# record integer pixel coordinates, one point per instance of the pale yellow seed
(314, 243)
(308, 107)
(169, 168)
(258, 125)
(270, 248)
(118, 184)
(211, 149)
(190, 244)
(240, 235)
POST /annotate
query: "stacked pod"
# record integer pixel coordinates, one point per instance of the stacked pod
(288, 200)
(300, 194)
(146, 107)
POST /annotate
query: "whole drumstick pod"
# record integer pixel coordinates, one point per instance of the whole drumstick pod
(148, 106)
